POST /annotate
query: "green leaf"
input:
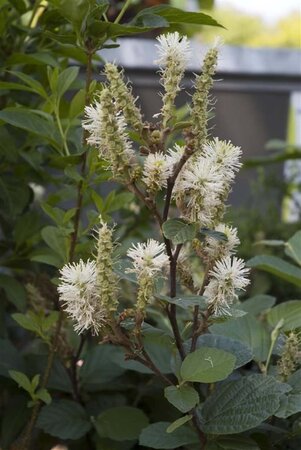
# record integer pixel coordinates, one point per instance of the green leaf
(30, 121)
(14, 291)
(289, 312)
(77, 104)
(293, 247)
(99, 367)
(121, 423)
(64, 419)
(232, 443)
(248, 330)
(55, 240)
(22, 380)
(207, 365)
(175, 15)
(291, 402)
(185, 302)
(239, 349)
(47, 256)
(277, 266)
(31, 83)
(65, 80)
(179, 231)
(257, 304)
(183, 397)
(155, 436)
(178, 423)
(75, 11)
(9, 358)
(43, 395)
(240, 405)
(29, 321)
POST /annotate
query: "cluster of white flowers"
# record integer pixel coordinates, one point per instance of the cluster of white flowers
(79, 296)
(149, 260)
(216, 248)
(156, 172)
(173, 48)
(205, 181)
(107, 131)
(227, 277)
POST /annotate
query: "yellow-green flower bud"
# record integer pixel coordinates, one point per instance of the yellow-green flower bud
(106, 278)
(125, 101)
(200, 99)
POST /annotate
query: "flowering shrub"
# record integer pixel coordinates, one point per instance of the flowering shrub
(194, 270)
(132, 335)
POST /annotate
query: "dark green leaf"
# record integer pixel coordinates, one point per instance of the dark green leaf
(257, 304)
(64, 419)
(14, 291)
(183, 397)
(179, 231)
(9, 358)
(14, 419)
(232, 443)
(175, 15)
(155, 436)
(248, 330)
(121, 423)
(240, 405)
(99, 367)
(289, 312)
(291, 402)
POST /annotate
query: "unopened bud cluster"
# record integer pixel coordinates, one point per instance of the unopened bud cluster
(290, 356)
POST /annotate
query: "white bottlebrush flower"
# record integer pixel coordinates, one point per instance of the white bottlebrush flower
(92, 122)
(227, 277)
(173, 46)
(148, 258)
(200, 187)
(107, 131)
(218, 248)
(79, 296)
(225, 156)
(156, 172)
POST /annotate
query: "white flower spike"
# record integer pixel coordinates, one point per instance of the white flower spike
(79, 296)
(227, 276)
